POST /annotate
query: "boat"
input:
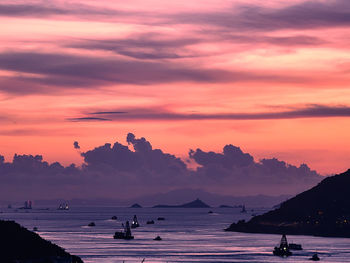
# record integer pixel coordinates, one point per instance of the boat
(63, 206)
(158, 238)
(283, 249)
(135, 223)
(35, 229)
(314, 257)
(293, 246)
(114, 218)
(27, 205)
(125, 234)
(160, 218)
(92, 224)
(150, 222)
(210, 212)
(243, 210)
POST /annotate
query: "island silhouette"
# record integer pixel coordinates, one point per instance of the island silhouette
(194, 204)
(136, 205)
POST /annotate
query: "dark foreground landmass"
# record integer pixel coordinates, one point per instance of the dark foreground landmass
(194, 204)
(324, 210)
(23, 246)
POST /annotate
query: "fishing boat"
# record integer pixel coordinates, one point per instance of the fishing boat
(63, 206)
(91, 224)
(135, 222)
(293, 246)
(314, 257)
(283, 249)
(125, 234)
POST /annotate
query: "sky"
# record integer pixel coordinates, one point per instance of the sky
(270, 77)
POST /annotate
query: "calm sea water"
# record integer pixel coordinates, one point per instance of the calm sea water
(189, 235)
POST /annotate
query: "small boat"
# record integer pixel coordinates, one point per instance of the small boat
(27, 205)
(92, 224)
(150, 222)
(210, 212)
(243, 210)
(158, 238)
(114, 218)
(35, 229)
(314, 257)
(125, 234)
(293, 246)
(135, 223)
(160, 218)
(121, 235)
(63, 206)
(283, 249)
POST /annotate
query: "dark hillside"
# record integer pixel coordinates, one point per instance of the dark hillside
(18, 243)
(324, 210)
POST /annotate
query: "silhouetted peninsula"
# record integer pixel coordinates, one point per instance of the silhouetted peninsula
(136, 205)
(21, 245)
(194, 204)
(324, 210)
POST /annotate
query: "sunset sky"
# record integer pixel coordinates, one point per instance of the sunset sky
(269, 76)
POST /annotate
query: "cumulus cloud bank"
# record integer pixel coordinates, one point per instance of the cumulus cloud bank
(127, 170)
(236, 169)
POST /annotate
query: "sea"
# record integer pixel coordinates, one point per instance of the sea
(188, 235)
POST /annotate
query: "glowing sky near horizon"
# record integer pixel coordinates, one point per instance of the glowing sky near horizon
(271, 77)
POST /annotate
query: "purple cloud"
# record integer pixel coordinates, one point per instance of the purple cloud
(304, 15)
(116, 170)
(72, 71)
(84, 119)
(76, 145)
(308, 111)
(148, 46)
(55, 9)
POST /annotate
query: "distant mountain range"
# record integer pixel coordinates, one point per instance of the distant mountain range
(324, 210)
(194, 204)
(181, 196)
(174, 197)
